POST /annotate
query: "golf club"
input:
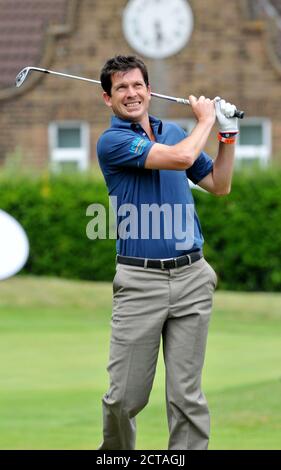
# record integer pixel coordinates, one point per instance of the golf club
(22, 76)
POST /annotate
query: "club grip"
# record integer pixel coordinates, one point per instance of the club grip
(239, 114)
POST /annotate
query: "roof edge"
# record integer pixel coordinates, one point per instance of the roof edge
(53, 32)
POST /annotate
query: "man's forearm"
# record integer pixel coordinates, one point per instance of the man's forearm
(193, 145)
(223, 168)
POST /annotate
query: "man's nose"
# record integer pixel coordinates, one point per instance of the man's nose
(131, 91)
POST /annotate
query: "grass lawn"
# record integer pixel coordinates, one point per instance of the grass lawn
(54, 350)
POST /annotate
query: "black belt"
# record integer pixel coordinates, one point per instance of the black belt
(170, 263)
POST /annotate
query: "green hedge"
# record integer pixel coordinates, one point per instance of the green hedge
(52, 210)
(242, 230)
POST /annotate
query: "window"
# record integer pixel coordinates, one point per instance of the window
(69, 145)
(254, 142)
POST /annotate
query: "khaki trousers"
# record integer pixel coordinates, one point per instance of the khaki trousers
(148, 303)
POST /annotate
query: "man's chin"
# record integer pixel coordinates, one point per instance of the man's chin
(133, 115)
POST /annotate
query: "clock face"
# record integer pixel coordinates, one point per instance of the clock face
(157, 28)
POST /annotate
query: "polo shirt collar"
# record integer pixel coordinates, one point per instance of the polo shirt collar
(119, 123)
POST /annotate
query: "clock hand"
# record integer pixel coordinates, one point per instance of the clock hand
(158, 31)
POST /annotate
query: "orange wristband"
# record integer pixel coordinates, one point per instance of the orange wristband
(227, 138)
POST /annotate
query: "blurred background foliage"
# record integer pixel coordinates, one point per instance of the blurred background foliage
(242, 230)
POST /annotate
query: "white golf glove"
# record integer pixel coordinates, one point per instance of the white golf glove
(225, 112)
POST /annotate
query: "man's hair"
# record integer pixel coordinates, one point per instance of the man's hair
(121, 63)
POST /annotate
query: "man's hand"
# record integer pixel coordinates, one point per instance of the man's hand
(225, 112)
(203, 108)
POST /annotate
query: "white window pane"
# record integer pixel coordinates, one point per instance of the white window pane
(251, 135)
(69, 137)
(69, 146)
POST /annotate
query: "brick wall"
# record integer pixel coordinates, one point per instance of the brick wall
(225, 56)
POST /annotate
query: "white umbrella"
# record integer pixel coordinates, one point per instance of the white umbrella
(14, 246)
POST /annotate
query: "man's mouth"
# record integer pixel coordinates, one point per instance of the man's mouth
(133, 104)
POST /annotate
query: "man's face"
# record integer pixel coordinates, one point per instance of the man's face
(130, 96)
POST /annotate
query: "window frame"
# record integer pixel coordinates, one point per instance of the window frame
(79, 155)
(262, 153)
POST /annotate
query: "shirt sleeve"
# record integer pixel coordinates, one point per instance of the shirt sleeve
(202, 166)
(123, 149)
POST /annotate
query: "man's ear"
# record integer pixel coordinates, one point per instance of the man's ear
(107, 99)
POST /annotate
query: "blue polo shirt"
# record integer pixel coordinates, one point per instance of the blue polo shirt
(156, 217)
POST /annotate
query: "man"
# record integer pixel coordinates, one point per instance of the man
(163, 285)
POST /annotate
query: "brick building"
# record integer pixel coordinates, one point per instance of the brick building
(233, 51)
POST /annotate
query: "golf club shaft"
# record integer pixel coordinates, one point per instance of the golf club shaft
(157, 95)
(238, 114)
(67, 75)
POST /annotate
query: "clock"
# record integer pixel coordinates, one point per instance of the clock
(157, 28)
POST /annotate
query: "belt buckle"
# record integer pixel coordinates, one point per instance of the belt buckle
(189, 259)
(176, 262)
(162, 264)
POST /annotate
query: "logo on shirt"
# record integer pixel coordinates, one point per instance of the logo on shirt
(138, 145)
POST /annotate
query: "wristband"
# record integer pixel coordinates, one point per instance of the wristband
(227, 137)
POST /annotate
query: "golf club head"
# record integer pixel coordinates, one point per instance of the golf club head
(21, 76)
